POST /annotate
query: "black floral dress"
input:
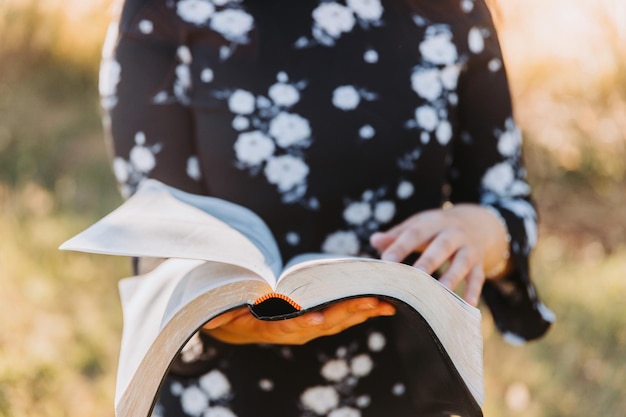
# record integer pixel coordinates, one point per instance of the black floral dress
(331, 119)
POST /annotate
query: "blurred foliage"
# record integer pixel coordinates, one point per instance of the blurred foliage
(60, 317)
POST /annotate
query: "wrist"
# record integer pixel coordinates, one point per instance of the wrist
(500, 256)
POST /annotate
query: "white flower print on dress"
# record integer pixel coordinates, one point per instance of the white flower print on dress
(184, 54)
(437, 46)
(499, 178)
(289, 129)
(405, 190)
(277, 139)
(192, 349)
(266, 384)
(362, 218)
(495, 65)
(142, 157)
(435, 80)
(233, 24)
(193, 400)
(343, 373)
(363, 401)
(426, 117)
(524, 210)
(182, 84)
(509, 141)
(335, 370)
(109, 78)
(467, 5)
(475, 40)
(286, 171)
(120, 169)
(146, 26)
(241, 102)
(398, 389)
(376, 342)
(361, 365)
(384, 211)
(110, 70)
(223, 16)
(284, 94)
(342, 243)
(332, 19)
(345, 412)
(215, 384)
(357, 212)
(207, 75)
(346, 97)
(450, 76)
(320, 399)
(219, 412)
(252, 148)
(195, 11)
(426, 83)
(209, 395)
(367, 132)
(366, 9)
(240, 123)
(444, 132)
(141, 160)
(370, 56)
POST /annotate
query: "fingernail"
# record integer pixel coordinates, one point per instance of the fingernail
(388, 311)
(315, 319)
(368, 305)
(389, 256)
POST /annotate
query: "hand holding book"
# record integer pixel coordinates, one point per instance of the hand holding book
(467, 236)
(242, 327)
(224, 268)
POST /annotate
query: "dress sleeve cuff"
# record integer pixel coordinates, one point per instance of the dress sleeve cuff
(512, 299)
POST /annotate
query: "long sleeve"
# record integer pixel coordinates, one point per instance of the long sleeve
(488, 169)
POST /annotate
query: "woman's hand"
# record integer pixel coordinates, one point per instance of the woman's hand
(468, 237)
(241, 327)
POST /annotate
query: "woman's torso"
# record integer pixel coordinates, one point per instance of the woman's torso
(336, 117)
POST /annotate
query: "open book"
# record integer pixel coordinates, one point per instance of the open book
(221, 256)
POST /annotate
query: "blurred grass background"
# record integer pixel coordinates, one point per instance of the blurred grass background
(60, 318)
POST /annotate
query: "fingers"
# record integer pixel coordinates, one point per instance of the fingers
(335, 318)
(381, 240)
(475, 281)
(413, 238)
(341, 316)
(241, 327)
(441, 236)
(222, 319)
(459, 268)
(464, 268)
(443, 247)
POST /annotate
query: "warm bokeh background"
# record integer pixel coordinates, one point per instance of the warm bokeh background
(59, 313)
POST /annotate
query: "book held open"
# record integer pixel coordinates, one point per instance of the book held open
(221, 256)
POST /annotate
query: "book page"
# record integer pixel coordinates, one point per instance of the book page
(151, 301)
(155, 223)
(236, 216)
(456, 323)
(144, 299)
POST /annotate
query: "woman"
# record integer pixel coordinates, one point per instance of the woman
(356, 127)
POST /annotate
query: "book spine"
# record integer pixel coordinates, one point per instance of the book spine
(277, 295)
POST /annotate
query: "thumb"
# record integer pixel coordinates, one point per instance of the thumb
(225, 318)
